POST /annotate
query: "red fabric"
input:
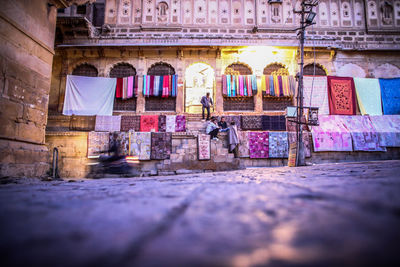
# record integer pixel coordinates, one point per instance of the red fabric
(149, 123)
(135, 85)
(118, 89)
(342, 97)
(151, 85)
(165, 86)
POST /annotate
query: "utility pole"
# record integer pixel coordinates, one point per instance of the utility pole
(306, 8)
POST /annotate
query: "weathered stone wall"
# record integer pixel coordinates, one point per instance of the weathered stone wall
(26, 54)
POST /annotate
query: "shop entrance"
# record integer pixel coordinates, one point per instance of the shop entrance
(199, 79)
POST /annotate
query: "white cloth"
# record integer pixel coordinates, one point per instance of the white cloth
(108, 124)
(89, 95)
(170, 123)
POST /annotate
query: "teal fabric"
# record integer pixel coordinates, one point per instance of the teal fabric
(368, 96)
(390, 90)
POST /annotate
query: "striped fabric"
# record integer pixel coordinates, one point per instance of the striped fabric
(276, 85)
(239, 85)
(162, 86)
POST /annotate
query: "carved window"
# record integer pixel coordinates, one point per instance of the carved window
(238, 103)
(275, 69)
(387, 13)
(122, 70)
(309, 70)
(157, 103)
(85, 70)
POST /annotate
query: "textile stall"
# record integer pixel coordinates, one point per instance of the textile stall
(278, 86)
(161, 86)
(239, 85)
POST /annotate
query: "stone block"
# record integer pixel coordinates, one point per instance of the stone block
(8, 128)
(183, 171)
(30, 132)
(37, 116)
(10, 109)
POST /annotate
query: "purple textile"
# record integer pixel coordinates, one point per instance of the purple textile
(180, 123)
(259, 145)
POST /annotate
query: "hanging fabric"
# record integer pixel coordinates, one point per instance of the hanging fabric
(160, 86)
(368, 96)
(390, 90)
(239, 85)
(342, 97)
(118, 89)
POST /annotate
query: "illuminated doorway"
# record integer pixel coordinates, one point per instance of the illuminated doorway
(199, 80)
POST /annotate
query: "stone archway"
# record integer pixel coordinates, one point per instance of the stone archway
(199, 79)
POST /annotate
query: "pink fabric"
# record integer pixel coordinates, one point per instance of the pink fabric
(388, 129)
(241, 91)
(258, 145)
(331, 135)
(130, 87)
(364, 136)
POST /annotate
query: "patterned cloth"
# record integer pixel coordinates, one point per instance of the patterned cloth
(236, 119)
(388, 129)
(368, 96)
(306, 142)
(140, 145)
(390, 90)
(243, 147)
(123, 139)
(364, 136)
(180, 123)
(251, 123)
(204, 146)
(331, 135)
(170, 123)
(342, 96)
(130, 123)
(108, 124)
(274, 123)
(97, 142)
(162, 123)
(149, 123)
(278, 145)
(316, 93)
(258, 145)
(161, 145)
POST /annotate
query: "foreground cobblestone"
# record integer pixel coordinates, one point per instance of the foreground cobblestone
(330, 214)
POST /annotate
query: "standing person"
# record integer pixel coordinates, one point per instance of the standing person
(233, 139)
(223, 125)
(212, 128)
(206, 102)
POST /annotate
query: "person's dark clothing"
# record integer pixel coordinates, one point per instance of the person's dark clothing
(206, 104)
(223, 124)
(214, 133)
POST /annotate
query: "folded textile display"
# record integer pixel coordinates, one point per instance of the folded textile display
(278, 144)
(130, 123)
(251, 122)
(236, 119)
(140, 145)
(315, 92)
(306, 142)
(258, 145)
(108, 124)
(161, 145)
(126, 87)
(390, 91)
(331, 135)
(342, 97)
(180, 123)
(239, 85)
(89, 95)
(243, 148)
(368, 96)
(273, 123)
(170, 123)
(122, 140)
(162, 123)
(364, 136)
(388, 129)
(149, 123)
(163, 86)
(277, 85)
(97, 142)
(204, 147)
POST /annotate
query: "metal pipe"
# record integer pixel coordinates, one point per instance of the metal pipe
(55, 163)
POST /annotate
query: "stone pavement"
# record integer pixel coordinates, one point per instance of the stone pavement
(323, 215)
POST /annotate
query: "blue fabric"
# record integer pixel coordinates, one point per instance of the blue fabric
(390, 91)
(245, 85)
(271, 85)
(254, 84)
(144, 85)
(228, 84)
(233, 93)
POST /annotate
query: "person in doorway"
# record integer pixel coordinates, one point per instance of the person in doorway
(223, 126)
(206, 102)
(212, 128)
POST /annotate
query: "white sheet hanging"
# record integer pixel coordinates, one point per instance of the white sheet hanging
(89, 95)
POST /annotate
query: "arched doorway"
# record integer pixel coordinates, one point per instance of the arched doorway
(199, 80)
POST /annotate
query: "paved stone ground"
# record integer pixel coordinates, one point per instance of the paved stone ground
(323, 215)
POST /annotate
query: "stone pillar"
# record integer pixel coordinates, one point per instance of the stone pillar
(140, 101)
(258, 103)
(180, 94)
(219, 100)
(63, 81)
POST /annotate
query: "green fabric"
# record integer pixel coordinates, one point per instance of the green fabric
(368, 96)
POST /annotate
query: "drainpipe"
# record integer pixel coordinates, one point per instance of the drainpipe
(55, 164)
